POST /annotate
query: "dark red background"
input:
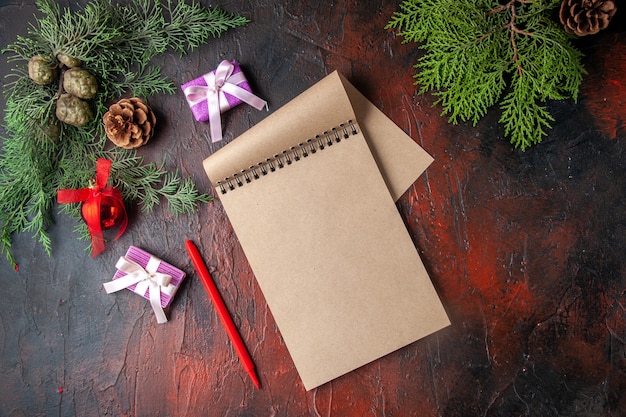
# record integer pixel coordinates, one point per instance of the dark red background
(526, 250)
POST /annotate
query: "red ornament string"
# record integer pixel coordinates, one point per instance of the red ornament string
(97, 196)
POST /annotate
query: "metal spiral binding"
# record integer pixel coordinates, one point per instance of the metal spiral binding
(288, 156)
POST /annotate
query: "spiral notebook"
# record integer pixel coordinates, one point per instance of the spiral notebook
(310, 192)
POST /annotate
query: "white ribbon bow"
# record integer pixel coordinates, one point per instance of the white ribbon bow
(219, 82)
(146, 279)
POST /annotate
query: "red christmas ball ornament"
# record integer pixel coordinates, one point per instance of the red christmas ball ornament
(108, 209)
(102, 206)
(110, 214)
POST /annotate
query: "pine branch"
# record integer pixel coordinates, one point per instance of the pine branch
(116, 44)
(144, 82)
(524, 119)
(180, 193)
(190, 23)
(149, 182)
(481, 53)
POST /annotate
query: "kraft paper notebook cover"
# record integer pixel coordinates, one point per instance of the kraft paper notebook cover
(314, 211)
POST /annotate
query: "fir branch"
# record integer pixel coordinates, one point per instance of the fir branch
(180, 194)
(478, 54)
(149, 182)
(525, 125)
(143, 83)
(116, 44)
(144, 21)
(190, 23)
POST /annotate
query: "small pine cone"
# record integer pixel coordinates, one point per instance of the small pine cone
(129, 123)
(42, 70)
(68, 61)
(80, 82)
(73, 111)
(586, 17)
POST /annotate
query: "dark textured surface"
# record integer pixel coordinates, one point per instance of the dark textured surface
(525, 248)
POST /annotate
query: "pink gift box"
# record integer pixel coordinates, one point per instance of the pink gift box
(142, 257)
(200, 110)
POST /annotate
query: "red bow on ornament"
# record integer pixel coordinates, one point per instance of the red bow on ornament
(102, 206)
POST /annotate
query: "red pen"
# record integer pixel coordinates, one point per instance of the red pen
(222, 311)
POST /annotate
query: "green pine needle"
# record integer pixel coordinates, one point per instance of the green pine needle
(116, 44)
(478, 54)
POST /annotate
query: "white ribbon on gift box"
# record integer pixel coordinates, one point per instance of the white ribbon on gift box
(146, 279)
(219, 82)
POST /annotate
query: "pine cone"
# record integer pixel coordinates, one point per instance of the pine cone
(68, 60)
(586, 17)
(73, 111)
(42, 70)
(80, 83)
(129, 123)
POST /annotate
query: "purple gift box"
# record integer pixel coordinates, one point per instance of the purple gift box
(200, 108)
(142, 258)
